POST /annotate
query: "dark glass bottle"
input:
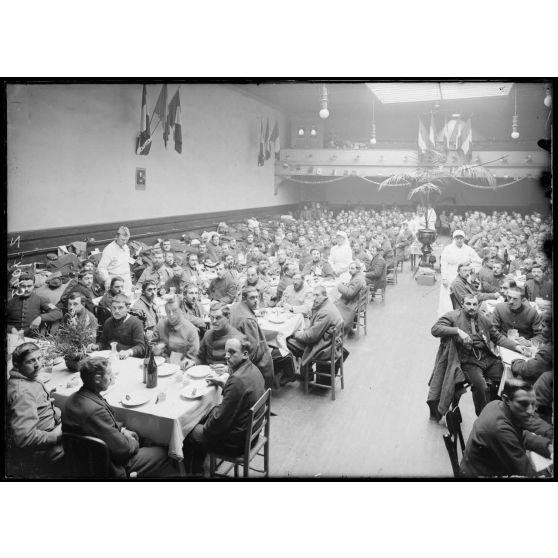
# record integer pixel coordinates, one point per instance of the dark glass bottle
(151, 380)
(146, 362)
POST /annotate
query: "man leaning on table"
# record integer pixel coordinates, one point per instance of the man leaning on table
(88, 413)
(498, 444)
(518, 314)
(224, 429)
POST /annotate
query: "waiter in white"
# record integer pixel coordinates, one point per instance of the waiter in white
(452, 255)
(115, 261)
(340, 255)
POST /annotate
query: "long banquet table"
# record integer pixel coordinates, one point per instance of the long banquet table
(166, 422)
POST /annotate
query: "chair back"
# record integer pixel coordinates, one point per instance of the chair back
(260, 414)
(86, 456)
(336, 349)
(454, 435)
(454, 301)
(364, 295)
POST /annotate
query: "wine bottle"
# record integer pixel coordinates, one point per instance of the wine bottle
(151, 379)
(146, 362)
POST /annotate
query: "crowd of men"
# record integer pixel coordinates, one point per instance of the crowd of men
(500, 286)
(236, 271)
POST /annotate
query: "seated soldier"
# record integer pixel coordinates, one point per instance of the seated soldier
(34, 435)
(146, 304)
(88, 413)
(492, 282)
(375, 271)
(287, 279)
(116, 287)
(519, 315)
(538, 286)
(297, 297)
(350, 295)
(157, 272)
(531, 369)
(52, 289)
(125, 330)
(78, 313)
(212, 346)
(27, 311)
(498, 444)
(193, 310)
(83, 285)
(462, 286)
(318, 266)
(314, 342)
(468, 332)
(223, 287)
(224, 429)
(243, 318)
(177, 281)
(254, 280)
(176, 334)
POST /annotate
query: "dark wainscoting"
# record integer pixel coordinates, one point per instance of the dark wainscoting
(25, 246)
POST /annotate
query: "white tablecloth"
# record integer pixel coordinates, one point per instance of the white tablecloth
(166, 423)
(292, 323)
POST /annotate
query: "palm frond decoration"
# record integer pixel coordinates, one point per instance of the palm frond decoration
(426, 190)
(476, 173)
(403, 179)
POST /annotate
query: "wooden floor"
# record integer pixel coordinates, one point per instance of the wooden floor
(378, 426)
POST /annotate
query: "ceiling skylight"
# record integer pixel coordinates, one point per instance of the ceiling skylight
(437, 91)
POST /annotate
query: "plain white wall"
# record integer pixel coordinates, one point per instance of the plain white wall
(72, 161)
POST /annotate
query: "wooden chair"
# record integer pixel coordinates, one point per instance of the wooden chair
(391, 274)
(454, 301)
(361, 316)
(454, 435)
(375, 291)
(256, 443)
(86, 456)
(335, 358)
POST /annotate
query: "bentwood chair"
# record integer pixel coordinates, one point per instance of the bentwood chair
(361, 316)
(379, 291)
(454, 301)
(391, 274)
(326, 368)
(256, 443)
(86, 456)
(454, 435)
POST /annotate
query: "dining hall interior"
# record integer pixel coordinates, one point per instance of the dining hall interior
(328, 174)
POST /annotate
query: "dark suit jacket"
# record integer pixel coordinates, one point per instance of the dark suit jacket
(497, 445)
(89, 414)
(316, 338)
(226, 425)
(243, 319)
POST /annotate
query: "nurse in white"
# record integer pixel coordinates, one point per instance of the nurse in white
(452, 255)
(341, 255)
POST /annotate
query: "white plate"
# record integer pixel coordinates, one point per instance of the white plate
(280, 319)
(188, 392)
(167, 369)
(199, 372)
(136, 398)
